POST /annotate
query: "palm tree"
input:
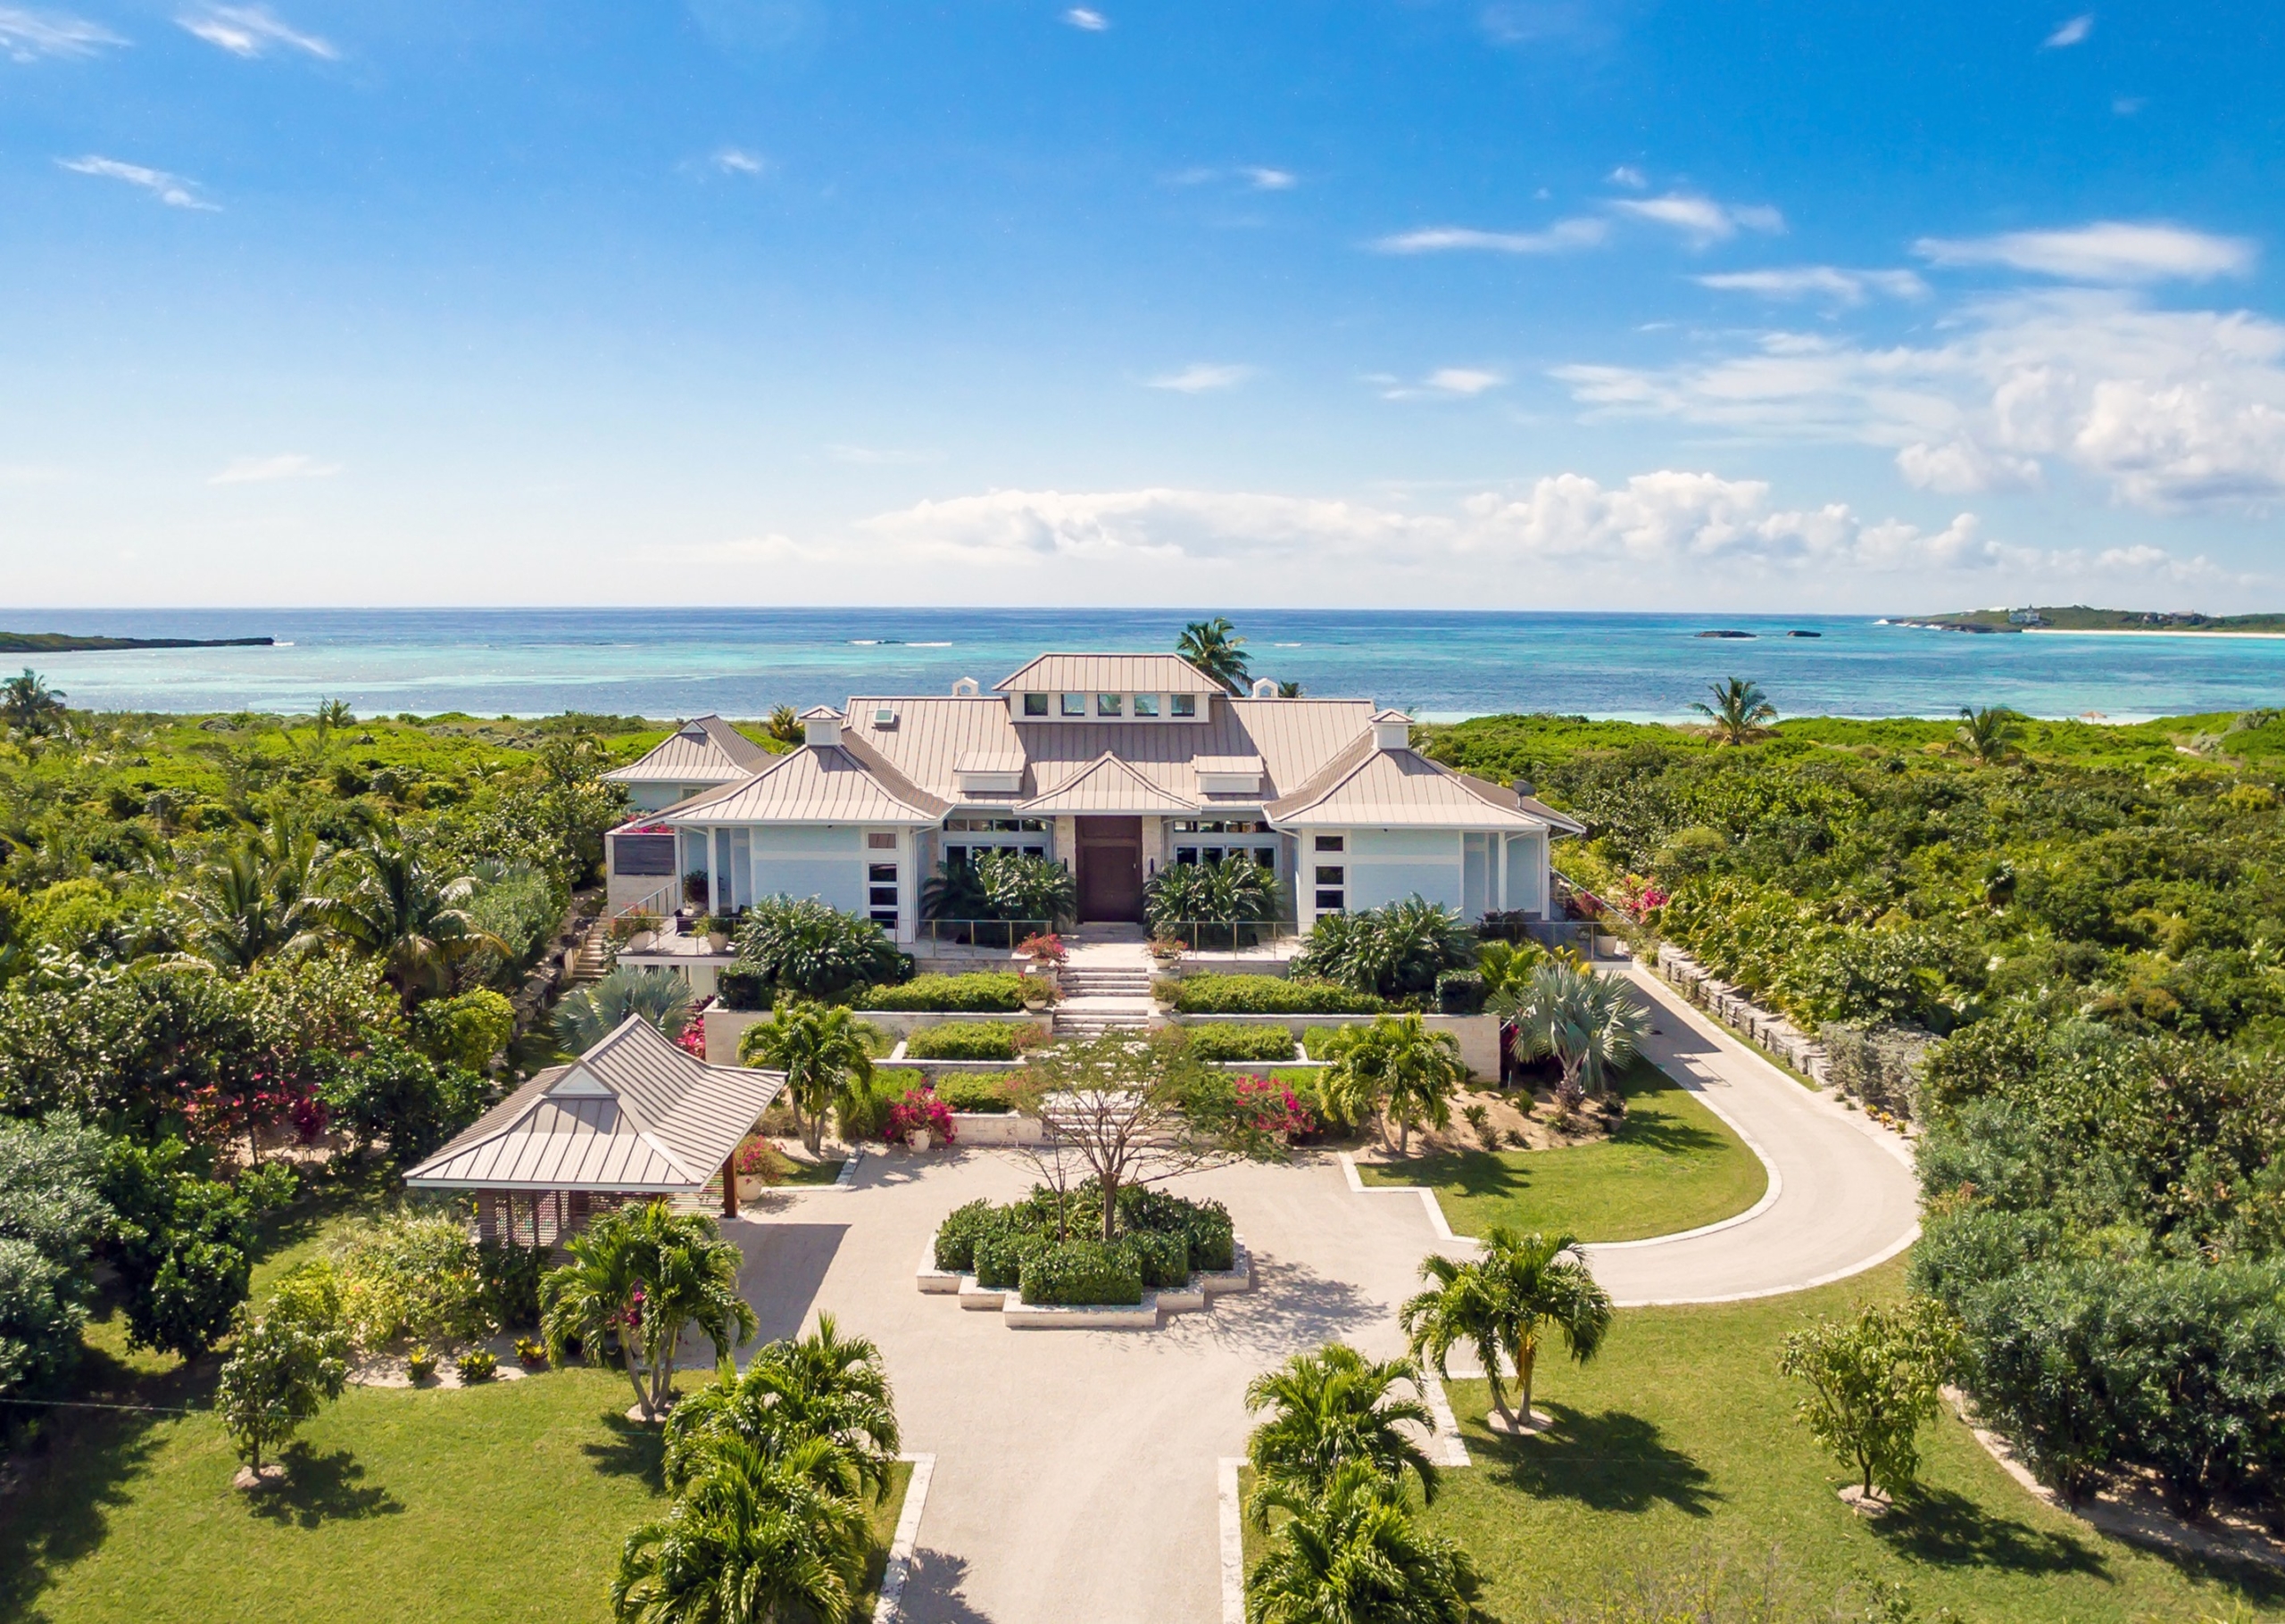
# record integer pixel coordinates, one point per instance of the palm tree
(1214, 650)
(27, 703)
(638, 1277)
(1739, 711)
(257, 898)
(587, 1016)
(1507, 965)
(1289, 691)
(1991, 734)
(785, 726)
(1353, 1555)
(388, 902)
(1329, 1408)
(1589, 1023)
(1501, 1304)
(755, 1537)
(821, 1050)
(1398, 1065)
(823, 1385)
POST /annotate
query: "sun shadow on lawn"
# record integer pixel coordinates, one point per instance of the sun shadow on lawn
(1946, 1529)
(633, 1450)
(319, 1488)
(1609, 1461)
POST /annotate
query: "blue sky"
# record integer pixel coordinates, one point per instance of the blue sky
(1518, 303)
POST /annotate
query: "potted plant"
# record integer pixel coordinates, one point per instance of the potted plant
(1166, 950)
(717, 930)
(920, 1120)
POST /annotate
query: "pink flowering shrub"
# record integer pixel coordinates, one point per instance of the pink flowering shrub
(920, 1108)
(1267, 1105)
(1047, 949)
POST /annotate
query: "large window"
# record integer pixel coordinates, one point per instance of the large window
(1184, 704)
(1034, 704)
(1110, 704)
(1192, 825)
(1146, 704)
(1075, 704)
(1331, 842)
(1267, 856)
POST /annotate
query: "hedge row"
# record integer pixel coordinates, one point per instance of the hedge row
(1271, 1043)
(966, 1040)
(981, 992)
(1207, 993)
(1165, 1240)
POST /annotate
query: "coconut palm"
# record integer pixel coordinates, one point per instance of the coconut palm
(386, 901)
(1331, 1407)
(785, 726)
(1517, 1288)
(820, 1049)
(29, 705)
(1738, 712)
(1399, 1067)
(1353, 1555)
(638, 1277)
(1589, 1023)
(1991, 734)
(257, 898)
(755, 1537)
(1214, 648)
(824, 1386)
(591, 1014)
(1289, 691)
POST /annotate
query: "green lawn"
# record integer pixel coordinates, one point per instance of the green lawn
(1672, 1166)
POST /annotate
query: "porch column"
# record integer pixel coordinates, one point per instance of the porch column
(730, 1186)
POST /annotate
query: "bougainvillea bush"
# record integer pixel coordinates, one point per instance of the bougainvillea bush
(920, 1110)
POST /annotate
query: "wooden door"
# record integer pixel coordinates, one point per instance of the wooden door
(1110, 868)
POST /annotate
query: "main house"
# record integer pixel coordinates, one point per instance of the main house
(1115, 765)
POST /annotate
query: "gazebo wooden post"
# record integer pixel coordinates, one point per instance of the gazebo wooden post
(730, 1186)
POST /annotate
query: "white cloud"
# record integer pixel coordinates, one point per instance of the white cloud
(1561, 237)
(250, 30)
(172, 190)
(1271, 180)
(262, 470)
(1093, 22)
(2071, 33)
(737, 160)
(27, 35)
(1827, 282)
(2165, 409)
(2106, 251)
(1446, 383)
(1702, 219)
(1626, 175)
(1199, 377)
(869, 456)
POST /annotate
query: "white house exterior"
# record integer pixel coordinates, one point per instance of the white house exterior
(1115, 765)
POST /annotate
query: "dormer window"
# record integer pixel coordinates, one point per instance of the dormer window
(1185, 704)
(1146, 704)
(1075, 704)
(1034, 704)
(1110, 704)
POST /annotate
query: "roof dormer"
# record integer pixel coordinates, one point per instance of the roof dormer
(821, 725)
(1391, 730)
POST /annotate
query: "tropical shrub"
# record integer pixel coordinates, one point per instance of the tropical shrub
(420, 1363)
(994, 1240)
(824, 1056)
(589, 1014)
(478, 1365)
(637, 1277)
(283, 1369)
(1460, 992)
(1397, 1066)
(742, 987)
(862, 1108)
(1236, 890)
(1355, 1552)
(760, 1159)
(805, 946)
(405, 1277)
(1873, 1382)
(1394, 951)
(465, 1032)
(181, 1246)
(975, 1092)
(1214, 994)
(1333, 1408)
(964, 1040)
(507, 1276)
(977, 992)
(53, 1215)
(1002, 884)
(1080, 1271)
(920, 1110)
(1218, 1041)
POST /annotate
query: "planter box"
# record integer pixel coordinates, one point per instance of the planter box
(989, 1128)
(1018, 1314)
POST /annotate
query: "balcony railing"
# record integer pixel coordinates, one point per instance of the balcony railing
(1004, 934)
(1231, 935)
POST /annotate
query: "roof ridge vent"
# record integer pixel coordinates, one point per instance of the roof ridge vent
(967, 688)
(1264, 687)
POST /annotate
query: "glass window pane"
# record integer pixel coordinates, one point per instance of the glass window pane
(883, 872)
(880, 840)
(1075, 704)
(1110, 704)
(1185, 704)
(1328, 874)
(1185, 854)
(1330, 901)
(1146, 704)
(1034, 704)
(884, 895)
(1330, 842)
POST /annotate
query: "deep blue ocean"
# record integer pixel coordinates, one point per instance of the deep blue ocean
(741, 662)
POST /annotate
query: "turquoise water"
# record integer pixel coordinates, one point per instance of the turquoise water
(741, 662)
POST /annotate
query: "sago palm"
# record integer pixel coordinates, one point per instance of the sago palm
(1991, 734)
(822, 1052)
(1517, 1289)
(1739, 712)
(1329, 1408)
(1354, 1555)
(1401, 1067)
(755, 1537)
(823, 1385)
(1214, 648)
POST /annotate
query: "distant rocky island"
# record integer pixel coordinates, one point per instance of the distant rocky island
(2079, 618)
(63, 642)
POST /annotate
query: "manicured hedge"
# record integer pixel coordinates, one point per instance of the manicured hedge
(1220, 1042)
(1326, 1043)
(1081, 1271)
(981, 992)
(1164, 1259)
(1000, 1258)
(742, 987)
(975, 1091)
(962, 1227)
(963, 1040)
(1210, 994)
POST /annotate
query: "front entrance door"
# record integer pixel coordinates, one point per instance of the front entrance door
(1110, 868)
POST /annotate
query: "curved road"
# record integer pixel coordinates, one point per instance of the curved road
(1842, 1196)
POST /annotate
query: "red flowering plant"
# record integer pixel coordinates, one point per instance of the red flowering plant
(1638, 896)
(692, 1038)
(920, 1109)
(1047, 949)
(1267, 1105)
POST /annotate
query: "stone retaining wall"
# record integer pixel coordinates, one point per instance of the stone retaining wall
(1729, 1005)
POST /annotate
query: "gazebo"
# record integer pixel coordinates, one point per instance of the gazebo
(633, 1119)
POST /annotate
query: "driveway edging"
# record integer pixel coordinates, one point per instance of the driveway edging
(908, 1535)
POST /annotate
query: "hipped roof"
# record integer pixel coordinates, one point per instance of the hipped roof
(704, 749)
(1110, 674)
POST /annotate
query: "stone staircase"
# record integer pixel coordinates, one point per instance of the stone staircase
(1103, 988)
(593, 961)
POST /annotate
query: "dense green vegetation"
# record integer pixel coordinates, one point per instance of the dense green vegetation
(2079, 618)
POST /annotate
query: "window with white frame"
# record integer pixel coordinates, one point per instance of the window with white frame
(1146, 705)
(881, 892)
(1034, 704)
(1184, 704)
(1075, 704)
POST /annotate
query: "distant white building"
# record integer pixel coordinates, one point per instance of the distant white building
(1115, 765)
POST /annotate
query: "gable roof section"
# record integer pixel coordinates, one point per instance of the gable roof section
(704, 749)
(1395, 789)
(817, 783)
(1108, 784)
(1108, 674)
(633, 1113)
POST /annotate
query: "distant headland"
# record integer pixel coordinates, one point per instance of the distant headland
(2079, 618)
(63, 642)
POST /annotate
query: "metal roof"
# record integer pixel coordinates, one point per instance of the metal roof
(1396, 789)
(1108, 784)
(1110, 674)
(633, 1113)
(817, 783)
(704, 749)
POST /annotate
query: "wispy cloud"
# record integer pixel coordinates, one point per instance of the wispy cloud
(1702, 219)
(1445, 382)
(1201, 377)
(1626, 175)
(1562, 238)
(172, 190)
(1253, 176)
(2106, 251)
(1830, 282)
(2071, 33)
(1081, 17)
(737, 160)
(874, 456)
(250, 30)
(2127, 106)
(29, 35)
(1270, 180)
(260, 471)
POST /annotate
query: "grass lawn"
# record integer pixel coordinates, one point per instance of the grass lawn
(504, 1501)
(1678, 1445)
(1672, 1166)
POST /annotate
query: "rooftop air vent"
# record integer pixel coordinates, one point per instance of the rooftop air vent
(1522, 787)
